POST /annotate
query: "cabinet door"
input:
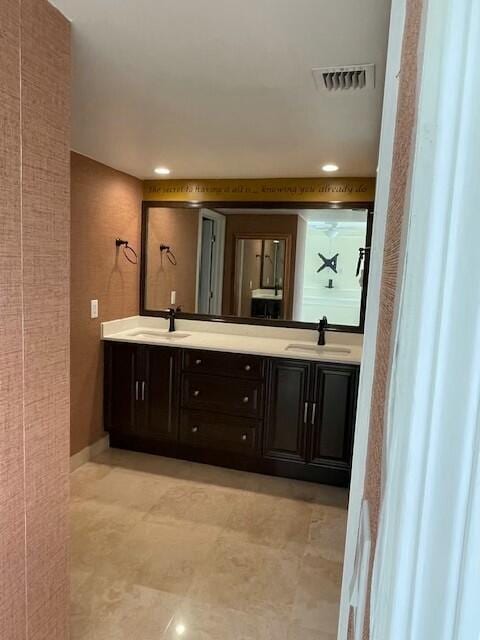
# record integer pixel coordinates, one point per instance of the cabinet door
(121, 388)
(286, 427)
(158, 404)
(335, 392)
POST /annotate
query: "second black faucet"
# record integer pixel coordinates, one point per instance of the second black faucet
(322, 326)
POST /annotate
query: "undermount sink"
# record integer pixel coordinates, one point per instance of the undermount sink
(320, 349)
(160, 335)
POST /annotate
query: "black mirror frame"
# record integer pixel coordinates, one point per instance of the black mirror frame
(147, 204)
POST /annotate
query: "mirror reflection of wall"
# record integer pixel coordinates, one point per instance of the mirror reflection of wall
(329, 247)
(192, 280)
(257, 263)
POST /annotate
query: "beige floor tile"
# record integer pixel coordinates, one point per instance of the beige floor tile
(146, 463)
(318, 594)
(251, 578)
(275, 522)
(106, 609)
(221, 477)
(91, 602)
(327, 532)
(83, 480)
(132, 489)
(158, 543)
(97, 532)
(194, 621)
(192, 502)
(305, 491)
(295, 632)
(167, 556)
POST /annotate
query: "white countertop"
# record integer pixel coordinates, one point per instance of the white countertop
(267, 294)
(237, 338)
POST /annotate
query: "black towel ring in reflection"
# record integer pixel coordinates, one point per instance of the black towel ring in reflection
(170, 255)
(128, 251)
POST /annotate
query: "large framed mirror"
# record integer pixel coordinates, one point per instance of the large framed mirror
(284, 265)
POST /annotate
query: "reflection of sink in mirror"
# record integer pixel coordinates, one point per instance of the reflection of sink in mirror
(328, 349)
(267, 294)
(161, 335)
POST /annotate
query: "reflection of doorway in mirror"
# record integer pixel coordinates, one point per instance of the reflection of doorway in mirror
(259, 278)
(210, 258)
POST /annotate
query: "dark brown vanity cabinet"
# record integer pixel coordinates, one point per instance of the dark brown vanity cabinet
(311, 413)
(281, 416)
(332, 417)
(286, 426)
(140, 390)
(222, 404)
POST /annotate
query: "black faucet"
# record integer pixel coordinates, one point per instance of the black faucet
(172, 314)
(322, 326)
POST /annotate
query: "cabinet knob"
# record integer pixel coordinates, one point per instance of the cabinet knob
(196, 393)
(247, 367)
(194, 429)
(198, 361)
(244, 436)
(245, 399)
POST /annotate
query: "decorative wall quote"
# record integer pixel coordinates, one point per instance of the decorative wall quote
(334, 190)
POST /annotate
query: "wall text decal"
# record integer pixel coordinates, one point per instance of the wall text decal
(334, 190)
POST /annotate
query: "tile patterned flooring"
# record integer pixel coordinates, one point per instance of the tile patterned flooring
(163, 549)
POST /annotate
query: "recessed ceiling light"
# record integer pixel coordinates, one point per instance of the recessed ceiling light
(330, 168)
(162, 171)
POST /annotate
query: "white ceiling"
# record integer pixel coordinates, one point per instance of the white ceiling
(223, 88)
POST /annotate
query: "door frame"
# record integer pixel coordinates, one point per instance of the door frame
(219, 253)
(287, 280)
(426, 574)
(356, 509)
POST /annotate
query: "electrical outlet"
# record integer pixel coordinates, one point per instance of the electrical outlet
(93, 308)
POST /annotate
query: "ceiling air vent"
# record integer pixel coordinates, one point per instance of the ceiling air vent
(342, 78)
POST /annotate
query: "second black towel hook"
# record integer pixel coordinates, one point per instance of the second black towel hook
(164, 248)
(128, 251)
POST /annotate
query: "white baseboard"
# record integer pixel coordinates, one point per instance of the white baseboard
(93, 450)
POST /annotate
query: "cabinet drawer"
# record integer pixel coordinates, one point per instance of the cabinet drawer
(215, 431)
(214, 393)
(226, 364)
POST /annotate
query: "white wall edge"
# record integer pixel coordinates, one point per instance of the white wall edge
(362, 427)
(427, 566)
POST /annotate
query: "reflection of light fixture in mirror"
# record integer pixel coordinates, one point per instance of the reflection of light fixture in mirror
(330, 167)
(162, 171)
(330, 229)
(276, 241)
(180, 629)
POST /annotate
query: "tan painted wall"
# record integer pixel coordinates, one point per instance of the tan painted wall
(106, 204)
(177, 228)
(251, 273)
(34, 320)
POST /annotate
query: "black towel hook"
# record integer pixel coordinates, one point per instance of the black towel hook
(164, 248)
(127, 248)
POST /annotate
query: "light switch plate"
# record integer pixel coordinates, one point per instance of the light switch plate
(93, 308)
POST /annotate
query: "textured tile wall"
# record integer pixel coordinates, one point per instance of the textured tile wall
(34, 327)
(12, 498)
(106, 204)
